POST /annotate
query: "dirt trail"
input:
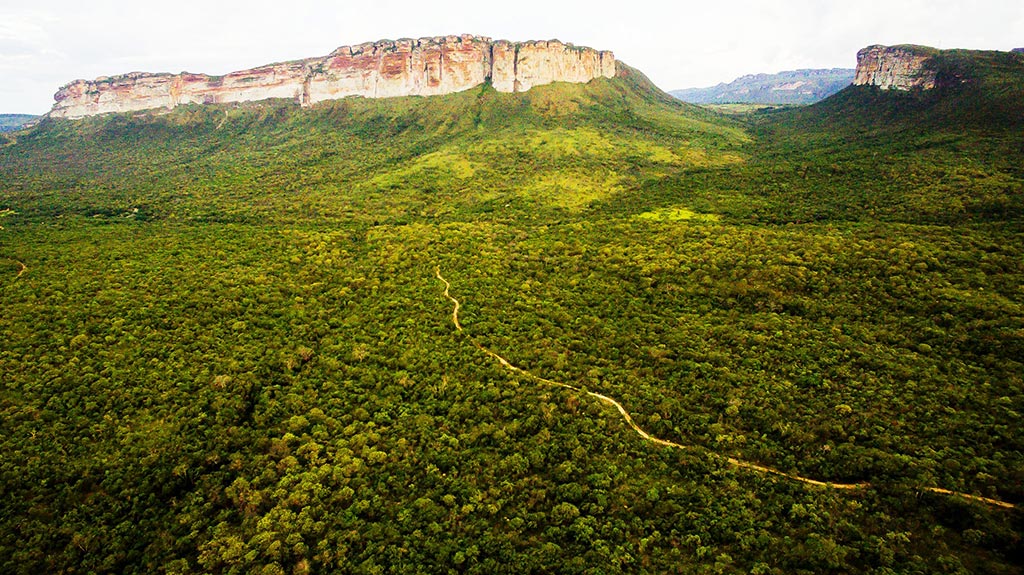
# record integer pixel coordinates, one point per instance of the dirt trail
(979, 498)
(22, 267)
(648, 437)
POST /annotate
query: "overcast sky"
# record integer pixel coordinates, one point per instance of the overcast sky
(679, 44)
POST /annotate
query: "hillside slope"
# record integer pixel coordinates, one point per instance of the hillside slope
(475, 151)
(977, 91)
(946, 155)
(227, 346)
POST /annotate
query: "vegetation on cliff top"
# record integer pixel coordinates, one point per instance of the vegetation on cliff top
(229, 351)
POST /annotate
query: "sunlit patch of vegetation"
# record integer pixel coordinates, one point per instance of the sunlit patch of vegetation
(677, 214)
(573, 190)
(436, 165)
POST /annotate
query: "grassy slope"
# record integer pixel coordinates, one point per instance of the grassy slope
(471, 151)
(255, 369)
(944, 156)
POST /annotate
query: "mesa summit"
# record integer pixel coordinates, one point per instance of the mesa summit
(383, 69)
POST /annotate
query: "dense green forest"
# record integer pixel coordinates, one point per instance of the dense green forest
(225, 348)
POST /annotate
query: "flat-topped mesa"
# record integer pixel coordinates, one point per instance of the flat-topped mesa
(385, 69)
(897, 67)
(519, 66)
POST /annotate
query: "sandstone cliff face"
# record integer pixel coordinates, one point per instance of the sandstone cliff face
(897, 67)
(517, 67)
(424, 67)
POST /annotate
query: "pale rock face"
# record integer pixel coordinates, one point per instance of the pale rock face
(896, 67)
(424, 67)
(521, 66)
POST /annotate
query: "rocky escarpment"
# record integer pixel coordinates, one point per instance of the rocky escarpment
(897, 67)
(424, 67)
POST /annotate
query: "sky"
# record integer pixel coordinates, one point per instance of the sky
(678, 44)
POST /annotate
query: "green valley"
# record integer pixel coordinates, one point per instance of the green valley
(228, 341)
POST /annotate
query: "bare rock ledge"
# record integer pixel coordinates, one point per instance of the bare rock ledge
(895, 67)
(385, 69)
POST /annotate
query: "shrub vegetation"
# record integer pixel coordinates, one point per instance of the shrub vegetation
(228, 351)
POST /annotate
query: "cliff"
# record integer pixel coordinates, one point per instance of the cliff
(424, 67)
(897, 67)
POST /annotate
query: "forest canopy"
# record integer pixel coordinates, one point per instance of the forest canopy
(225, 347)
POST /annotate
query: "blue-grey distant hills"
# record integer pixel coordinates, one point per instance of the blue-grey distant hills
(793, 87)
(11, 122)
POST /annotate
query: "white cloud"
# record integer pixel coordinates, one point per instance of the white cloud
(25, 43)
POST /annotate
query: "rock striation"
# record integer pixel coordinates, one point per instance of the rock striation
(896, 67)
(385, 69)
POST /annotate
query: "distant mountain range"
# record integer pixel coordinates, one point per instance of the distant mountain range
(792, 87)
(11, 122)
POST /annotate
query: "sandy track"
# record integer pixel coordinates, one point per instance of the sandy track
(22, 268)
(664, 442)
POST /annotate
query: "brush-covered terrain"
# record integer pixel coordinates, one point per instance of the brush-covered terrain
(224, 346)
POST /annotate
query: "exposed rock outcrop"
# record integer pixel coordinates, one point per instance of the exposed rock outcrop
(897, 67)
(519, 66)
(424, 67)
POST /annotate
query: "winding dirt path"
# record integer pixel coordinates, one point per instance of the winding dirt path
(664, 442)
(22, 267)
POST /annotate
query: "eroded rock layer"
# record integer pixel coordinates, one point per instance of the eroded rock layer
(896, 67)
(424, 67)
